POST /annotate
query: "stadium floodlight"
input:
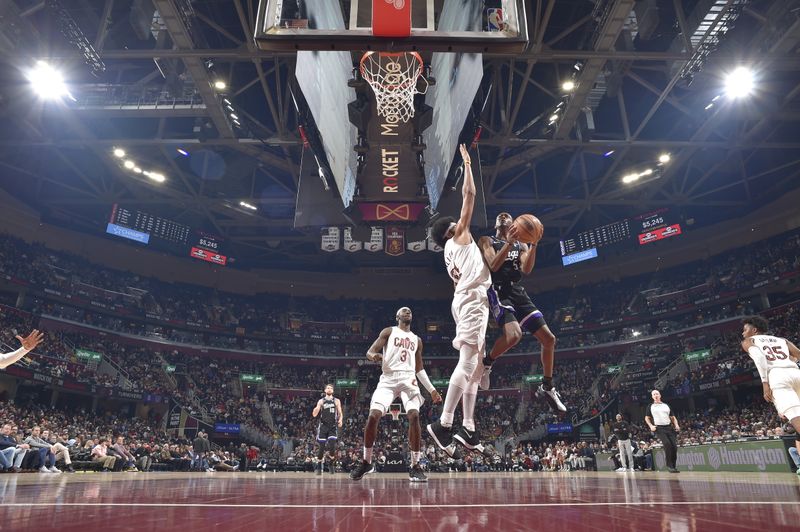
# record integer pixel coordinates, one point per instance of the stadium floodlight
(129, 164)
(740, 82)
(553, 118)
(568, 86)
(664, 158)
(158, 178)
(248, 206)
(119, 152)
(649, 171)
(47, 82)
(630, 178)
(234, 116)
(137, 170)
(220, 85)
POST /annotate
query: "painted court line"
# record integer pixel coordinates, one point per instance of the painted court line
(344, 506)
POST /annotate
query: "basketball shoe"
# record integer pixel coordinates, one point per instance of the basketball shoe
(416, 474)
(364, 468)
(552, 397)
(469, 439)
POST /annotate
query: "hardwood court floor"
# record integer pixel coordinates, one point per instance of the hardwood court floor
(95, 502)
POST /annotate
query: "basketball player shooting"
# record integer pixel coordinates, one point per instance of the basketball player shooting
(470, 310)
(512, 308)
(776, 360)
(329, 410)
(400, 352)
(29, 343)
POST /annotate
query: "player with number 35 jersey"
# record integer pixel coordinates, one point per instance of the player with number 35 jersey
(776, 360)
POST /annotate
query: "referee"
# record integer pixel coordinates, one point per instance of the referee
(661, 421)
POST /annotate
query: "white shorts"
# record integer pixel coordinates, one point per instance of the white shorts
(471, 313)
(402, 385)
(785, 385)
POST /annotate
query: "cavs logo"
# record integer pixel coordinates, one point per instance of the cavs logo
(400, 212)
(398, 4)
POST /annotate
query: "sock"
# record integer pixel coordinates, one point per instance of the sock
(468, 406)
(547, 383)
(368, 455)
(459, 381)
(415, 456)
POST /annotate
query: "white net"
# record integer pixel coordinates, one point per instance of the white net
(393, 77)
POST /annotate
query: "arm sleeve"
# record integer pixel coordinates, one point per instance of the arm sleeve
(422, 377)
(6, 359)
(760, 361)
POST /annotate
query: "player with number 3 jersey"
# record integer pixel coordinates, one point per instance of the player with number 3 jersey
(776, 360)
(400, 352)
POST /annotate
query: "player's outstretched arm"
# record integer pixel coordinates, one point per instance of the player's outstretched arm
(29, 343)
(375, 351)
(462, 235)
(315, 412)
(494, 259)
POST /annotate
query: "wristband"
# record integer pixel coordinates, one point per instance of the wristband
(422, 377)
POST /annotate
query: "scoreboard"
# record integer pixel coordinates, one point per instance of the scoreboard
(146, 224)
(648, 227)
(166, 234)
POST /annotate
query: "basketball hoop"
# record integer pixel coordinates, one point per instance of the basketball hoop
(393, 77)
(395, 412)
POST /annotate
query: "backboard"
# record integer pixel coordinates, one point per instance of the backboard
(485, 26)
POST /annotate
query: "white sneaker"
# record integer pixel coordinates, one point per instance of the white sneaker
(552, 397)
(621, 470)
(43, 469)
(210, 470)
(631, 470)
(54, 469)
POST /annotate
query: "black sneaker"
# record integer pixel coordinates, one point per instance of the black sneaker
(552, 397)
(443, 436)
(469, 439)
(673, 470)
(415, 474)
(364, 468)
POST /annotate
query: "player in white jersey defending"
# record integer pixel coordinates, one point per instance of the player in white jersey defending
(470, 308)
(400, 352)
(776, 360)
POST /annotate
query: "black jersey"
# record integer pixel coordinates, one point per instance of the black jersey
(327, 415)
(511, 269)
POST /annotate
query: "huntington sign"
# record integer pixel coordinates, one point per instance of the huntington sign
(765, 455)
(245, 377)
(697, 356)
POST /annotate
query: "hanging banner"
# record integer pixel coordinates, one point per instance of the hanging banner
(395, 241)
(417, 246)
(376, 241)
(350, 244)
(433, 246)
(390, 211)
(330, 239)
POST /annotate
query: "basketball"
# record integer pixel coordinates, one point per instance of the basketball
(529, 228)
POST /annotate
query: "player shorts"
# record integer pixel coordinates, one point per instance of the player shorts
(327, 432)
(402, 384)
(785, 385)
(509, 302)
(471, 313)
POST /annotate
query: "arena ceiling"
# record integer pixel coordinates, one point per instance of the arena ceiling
(641, 92)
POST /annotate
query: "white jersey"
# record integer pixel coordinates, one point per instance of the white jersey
(400, 352)
(466, 267)
(775, 350)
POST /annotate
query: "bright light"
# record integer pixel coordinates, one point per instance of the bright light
(568, 86)
(630, 178)
(664, 158)
(119, 152)
(229, 107)
(183, 152)
(740, 82)
(129, 164)
(636, 333)
(553, 117)
(47, 82)
(649, 171)
(234, 116)
(159, 178)
(609, 153)
(137, 170)
(220, 85)
(709, 106)
(248, 206)
(226, 101)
